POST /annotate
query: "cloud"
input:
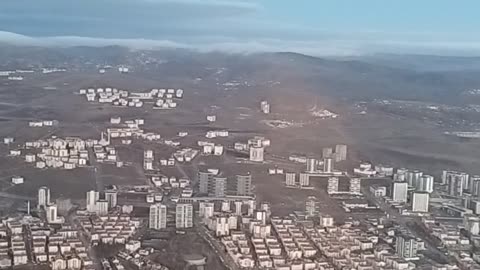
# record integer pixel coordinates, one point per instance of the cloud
(217, 44)
(325, 48)
(248, 5)
(328, 47)
(239, 26)
(152, 19)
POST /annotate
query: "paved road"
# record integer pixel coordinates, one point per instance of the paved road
(71, 219)
(217, 247)
(404, 221)
(96, 170)
(27, 237)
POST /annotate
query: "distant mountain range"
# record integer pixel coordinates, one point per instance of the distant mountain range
(412, 77)
(425, 62)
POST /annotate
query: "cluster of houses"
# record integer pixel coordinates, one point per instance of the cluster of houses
(182, 155)
(163, 98)
(459, 246)
(59, 248)
(113, 228)
(357, 246)
(43, 123)
(138, 256)
(210, 148)
(294, 242)
(287, 248)
(67, 153)
(216, 133)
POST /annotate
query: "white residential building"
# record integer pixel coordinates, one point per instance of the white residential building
(304, 180)
(256, 154)
(290, 178)
(311, 165)
(425, 184)
(420, 202)
(311, 206)
(92, 198)
(111, 196)
(332, 186)
(327, 165)
(326, 220)
(378, 191)
(355, 185)
(406, 247)
(101, 207)
(399, 191)
(340, 152)
(52, 213)
(43, 197)
(184, 215)
(158, 216)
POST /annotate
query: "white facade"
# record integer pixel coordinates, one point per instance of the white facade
(399, 191)
(15, 152)
(265, 107)
(17, 180)
(332, 186)
(406, 247)
(340, 152)
(425, 184)
(420, 202)
(148, 154)
(43, 197)
(184, 215)
(327, 165)
(133, 246)
(219, 225)
(256, 154)
(311, 165)
(261, 216)
(290, 178)
(101, 207)
(472, 224)
(238, 208)
(311, 206)
(304, 180)
(225, 206)
(244, 185)
(413, 178)
(456, 182)
(384, 170)
(115, 120)
(111, 197)
(355, 185)
(158, 216)
(326, 220)
(30, 158)
(206, 210)
(378, 191)
(51, 211)
(218, 150)
(211, 118)
(92, 198)
(148, 164)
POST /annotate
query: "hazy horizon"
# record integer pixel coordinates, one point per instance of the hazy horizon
(318, 28)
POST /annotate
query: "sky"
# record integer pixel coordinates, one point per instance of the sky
(315, 27)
